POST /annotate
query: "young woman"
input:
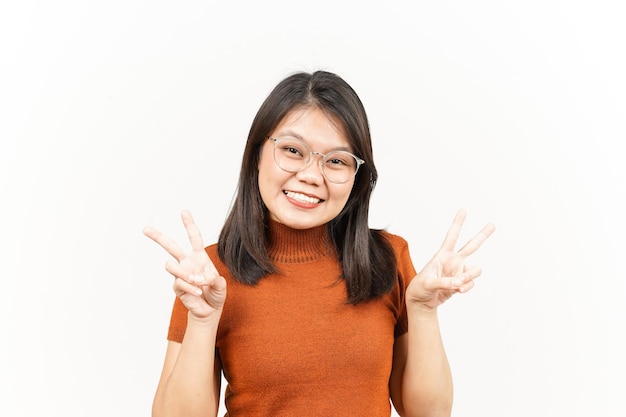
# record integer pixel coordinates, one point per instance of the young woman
(304, 308)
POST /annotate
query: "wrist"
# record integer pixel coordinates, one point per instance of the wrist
(209, 322)
(421, 311)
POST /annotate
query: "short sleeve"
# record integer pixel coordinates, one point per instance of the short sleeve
(178, 322)
(406, 272)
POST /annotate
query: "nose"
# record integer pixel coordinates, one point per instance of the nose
(312, 174)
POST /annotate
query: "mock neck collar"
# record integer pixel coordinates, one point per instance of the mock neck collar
(287, 245)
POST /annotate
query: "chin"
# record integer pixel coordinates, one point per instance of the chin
(297, 222)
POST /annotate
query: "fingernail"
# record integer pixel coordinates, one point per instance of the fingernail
(457, 282)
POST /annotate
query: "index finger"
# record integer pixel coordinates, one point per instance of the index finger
(455, 229)
(195, 238)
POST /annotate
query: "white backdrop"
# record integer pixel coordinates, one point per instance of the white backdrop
(115, 115)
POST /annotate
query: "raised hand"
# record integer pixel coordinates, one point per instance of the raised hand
(197, 283)
(446, 273)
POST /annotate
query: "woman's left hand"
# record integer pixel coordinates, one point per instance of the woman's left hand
(446, 273)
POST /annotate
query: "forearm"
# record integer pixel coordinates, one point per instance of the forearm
(426, 380)
(192, 387)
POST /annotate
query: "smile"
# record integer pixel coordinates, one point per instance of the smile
(302, 198)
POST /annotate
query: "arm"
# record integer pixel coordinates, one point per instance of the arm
(190, 380)
(421, 381)
(191, 377)
(173, 389)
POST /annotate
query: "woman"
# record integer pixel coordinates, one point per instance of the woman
(304, 308)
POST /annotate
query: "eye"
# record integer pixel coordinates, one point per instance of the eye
(339, 161)
(292, 149)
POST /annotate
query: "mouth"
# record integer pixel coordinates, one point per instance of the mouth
(302, 198)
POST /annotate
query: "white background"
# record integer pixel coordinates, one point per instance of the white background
(115, 115)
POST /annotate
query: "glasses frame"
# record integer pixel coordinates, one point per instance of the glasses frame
(322, 160)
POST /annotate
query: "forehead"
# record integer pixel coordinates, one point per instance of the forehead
(315, 126)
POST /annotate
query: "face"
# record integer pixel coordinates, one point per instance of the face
(304, 199)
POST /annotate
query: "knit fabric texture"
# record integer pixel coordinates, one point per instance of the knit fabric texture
(292, 345)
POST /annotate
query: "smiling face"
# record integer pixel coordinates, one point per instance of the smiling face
(304, 199)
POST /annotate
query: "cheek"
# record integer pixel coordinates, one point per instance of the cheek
(270, 177)
(265, 165)
(342, 195)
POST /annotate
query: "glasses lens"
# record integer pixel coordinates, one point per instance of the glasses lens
(294, 155)
(339, 166)
(291, 154)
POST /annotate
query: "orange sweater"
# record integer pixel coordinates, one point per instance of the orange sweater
(292, 346)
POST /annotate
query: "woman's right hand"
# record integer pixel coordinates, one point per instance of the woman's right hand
(197, 283)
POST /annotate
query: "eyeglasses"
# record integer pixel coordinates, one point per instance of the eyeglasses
(294, 155)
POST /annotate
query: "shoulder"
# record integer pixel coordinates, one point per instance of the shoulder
(211, 250)
(397, 242)
(401, 250)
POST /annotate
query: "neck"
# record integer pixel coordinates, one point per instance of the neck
(287, 245)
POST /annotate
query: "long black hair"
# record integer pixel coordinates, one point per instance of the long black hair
(368, 261)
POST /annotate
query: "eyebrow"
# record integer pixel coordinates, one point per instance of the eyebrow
(297, 136)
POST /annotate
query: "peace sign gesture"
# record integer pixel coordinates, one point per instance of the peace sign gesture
(197, 283)
(446, 273)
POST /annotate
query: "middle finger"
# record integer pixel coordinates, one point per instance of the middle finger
(165, 242)
(473, 244)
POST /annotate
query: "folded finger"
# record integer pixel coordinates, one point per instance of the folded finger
(182, 287)
(178, 271)
(195, 278)
(471, 272)
(444, 283)
(466, 287)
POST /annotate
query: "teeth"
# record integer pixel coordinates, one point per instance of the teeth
(302, 198)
